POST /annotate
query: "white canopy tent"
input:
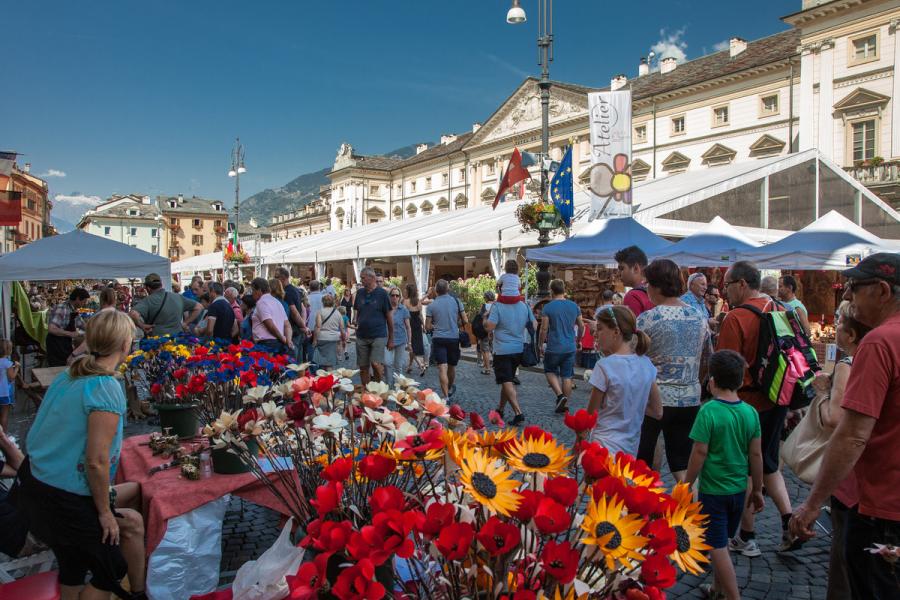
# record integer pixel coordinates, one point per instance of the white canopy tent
(599, 241)
(716, 245)
(832, 242)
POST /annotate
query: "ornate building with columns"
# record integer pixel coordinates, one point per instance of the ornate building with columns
(828, 82)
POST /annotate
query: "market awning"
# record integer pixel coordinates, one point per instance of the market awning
(598, 243)
(716, 245)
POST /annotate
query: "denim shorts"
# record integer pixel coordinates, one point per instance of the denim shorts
(724, 517)
(561, 364)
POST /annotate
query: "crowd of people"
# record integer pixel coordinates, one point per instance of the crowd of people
(674, 358)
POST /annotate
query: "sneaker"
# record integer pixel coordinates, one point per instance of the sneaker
(710, 593)
(788, 543)
(346, 356)
(516, 381)
(561, 404)
(452, 391)
(749, 548)
(518, 419)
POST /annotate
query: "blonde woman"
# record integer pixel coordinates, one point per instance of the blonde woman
(73, 451)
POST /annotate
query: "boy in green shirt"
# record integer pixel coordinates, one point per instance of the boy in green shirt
(726, 436)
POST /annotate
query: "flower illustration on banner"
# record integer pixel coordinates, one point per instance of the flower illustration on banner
(615, 182)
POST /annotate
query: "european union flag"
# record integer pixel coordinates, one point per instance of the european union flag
(561, 189)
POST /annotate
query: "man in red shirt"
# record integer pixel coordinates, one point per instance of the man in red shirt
(632, 262)
(865, 440)
(740, 332)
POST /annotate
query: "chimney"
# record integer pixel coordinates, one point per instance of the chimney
(447, 139)
(643, 68)
(420, 148)
(667, 64)
(618, 82)
(26, 168)
(476, 127)
(736, 45)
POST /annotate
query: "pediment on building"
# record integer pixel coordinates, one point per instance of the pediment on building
(522, 111)
(676, 162)
(339, 213)
(461, 200)
(411, 209)
(718, 154)
(397, 211)
(766, 145)
(443, 203)
(375, 212)
(639, 169)
(426, 206)
(861, 98)
(488, 192)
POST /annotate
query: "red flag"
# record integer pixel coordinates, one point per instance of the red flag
(515, 173)
(10, 208)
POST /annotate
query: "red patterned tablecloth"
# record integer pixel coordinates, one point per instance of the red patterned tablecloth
(167, 494)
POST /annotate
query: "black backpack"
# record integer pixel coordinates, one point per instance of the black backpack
(786, 363)
(478, 324)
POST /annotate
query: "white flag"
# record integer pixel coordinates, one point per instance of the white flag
(609, 117)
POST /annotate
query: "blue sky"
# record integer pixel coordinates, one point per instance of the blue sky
(126, 96)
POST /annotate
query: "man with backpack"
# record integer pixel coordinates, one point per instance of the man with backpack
(485, 348)
(740, 332)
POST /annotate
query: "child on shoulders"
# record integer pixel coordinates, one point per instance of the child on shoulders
(726, 436)
(509, 286)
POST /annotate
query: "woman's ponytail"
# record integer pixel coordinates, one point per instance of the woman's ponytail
(643, 342)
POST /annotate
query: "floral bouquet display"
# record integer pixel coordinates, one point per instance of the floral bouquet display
(532, 216)
(398, 492)
(236, 254)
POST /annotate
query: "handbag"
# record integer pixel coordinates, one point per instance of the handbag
(464, 340)
(529, 355)
(804, 448)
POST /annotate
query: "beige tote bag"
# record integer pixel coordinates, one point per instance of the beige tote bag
(804, 448)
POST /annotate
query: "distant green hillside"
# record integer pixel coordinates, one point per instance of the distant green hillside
(297, 193)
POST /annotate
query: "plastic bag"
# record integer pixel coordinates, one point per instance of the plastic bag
(264, 578)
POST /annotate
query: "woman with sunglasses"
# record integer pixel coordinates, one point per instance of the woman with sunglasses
(396, 357)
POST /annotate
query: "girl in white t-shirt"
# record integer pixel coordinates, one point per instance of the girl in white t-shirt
(509, 286)
(8, 372)
(623, 382)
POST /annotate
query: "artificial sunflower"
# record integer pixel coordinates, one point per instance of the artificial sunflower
(629, 471)
(614, 532)
(456, 445)
(537, 455)
(690, 533)
(490, 439)
(387, 449)
(488, 483)
(684, 496)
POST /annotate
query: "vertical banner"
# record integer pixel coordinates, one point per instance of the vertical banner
(609, 115)
(10, 208)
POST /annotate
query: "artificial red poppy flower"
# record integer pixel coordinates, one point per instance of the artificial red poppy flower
(562, 489)
(420, 443)
(551, 517)
(386, 497)
(437, 516)
(306, 583)
(156, 389)
(180, 374)
(495, 419)
(376, 467)
(338, 470)
(296, 411)
(535, 432)
(248, 379)
(528, 504)
(246, 344)
(498, 537)
(476, 421)
(457, 412)
(656, 570)
(455, 540)
(609, 487)
(197, 384)
(358, 583)
(560, 561)
(328, 497)
(181, 390)
(327, 536)
(247, 415)
(323, 384)
(641, 500)
(581, 421)
(661, 536)
(595, 461)
(387, 535)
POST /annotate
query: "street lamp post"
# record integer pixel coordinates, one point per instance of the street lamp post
(237, 169)
(515, 16)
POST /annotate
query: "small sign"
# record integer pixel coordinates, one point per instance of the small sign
(853, 260)
(830, 352)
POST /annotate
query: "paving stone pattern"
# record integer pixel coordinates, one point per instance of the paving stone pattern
(249, 529)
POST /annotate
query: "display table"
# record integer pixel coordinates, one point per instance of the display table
(183, 519)
(46, 375)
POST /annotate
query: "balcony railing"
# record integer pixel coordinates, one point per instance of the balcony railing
(875, 175)
(198, 226)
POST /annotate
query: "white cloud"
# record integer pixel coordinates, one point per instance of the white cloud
(53, 173)
(77, 199)
(506, 65)
(671, 45)
(723, 45)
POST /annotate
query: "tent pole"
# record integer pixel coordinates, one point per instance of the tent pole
(764, 203)
(817, 187)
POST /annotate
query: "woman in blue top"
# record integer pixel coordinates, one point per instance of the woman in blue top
(73, 451)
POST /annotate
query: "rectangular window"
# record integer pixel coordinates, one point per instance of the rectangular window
(153, 249)
(720, 116)
(678, 125)
(768, 105)
(412, 187)
(373, 190)
(173, 221)
(218, 223)
(444, 178)
(863, 140)
(864, 49)
(197, 223)
(462, 175)
(640, 133)
(153, 232)
(197, 240)
(196, 253)
(428, 183)
(107, 230)
(132, 231)
(489, 169)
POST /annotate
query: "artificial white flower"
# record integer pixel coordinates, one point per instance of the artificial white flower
(377, 387)
(256, 394)
(382, 420)
(345, 373)
(268, 408)
(300, 368)
(404, 430)
(333, 423)
(402, 382)
(346, 385)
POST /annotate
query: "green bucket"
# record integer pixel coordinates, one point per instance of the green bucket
(227, 463)
(181, 419)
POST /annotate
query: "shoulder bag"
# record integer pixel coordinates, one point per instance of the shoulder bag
(464, 340)
(529, 354)
(804, 449)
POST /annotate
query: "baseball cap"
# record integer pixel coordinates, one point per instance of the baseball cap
(152, 279)
(882, 265)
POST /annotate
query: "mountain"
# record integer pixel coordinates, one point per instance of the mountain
(68, 208)
(297, 193)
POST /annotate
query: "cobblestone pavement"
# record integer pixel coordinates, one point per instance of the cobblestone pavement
(249, 529)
